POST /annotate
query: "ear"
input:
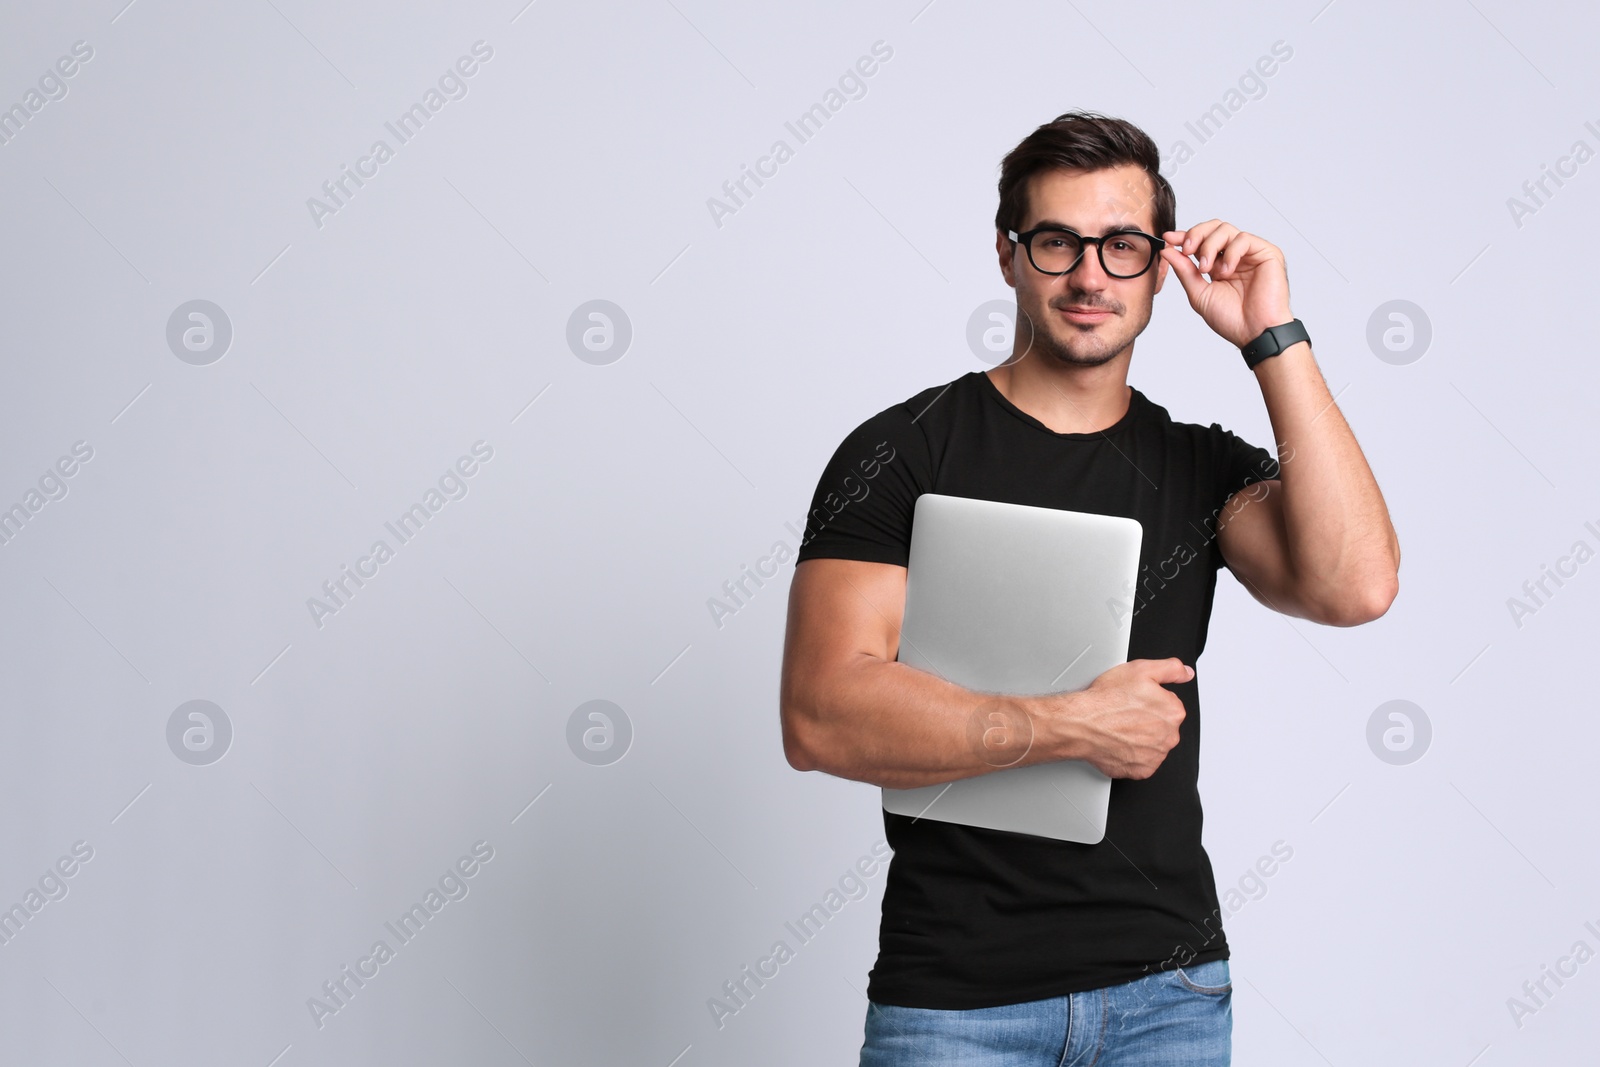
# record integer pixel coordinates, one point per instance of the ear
(1004, 249)
(1161, 274)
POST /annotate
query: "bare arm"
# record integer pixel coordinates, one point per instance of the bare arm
(850, 709)
(1319, 543)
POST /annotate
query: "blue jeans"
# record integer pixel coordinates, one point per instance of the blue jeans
(1175, 1018)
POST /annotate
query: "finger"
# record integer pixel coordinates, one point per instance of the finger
(1197, 233)
(1188, 274)
(1234, 252)
(1260, 251)
(1214, 243)
(1171, 669)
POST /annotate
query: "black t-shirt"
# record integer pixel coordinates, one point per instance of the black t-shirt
(977, 918)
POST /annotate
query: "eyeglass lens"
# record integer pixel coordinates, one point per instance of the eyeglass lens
(1122, 255)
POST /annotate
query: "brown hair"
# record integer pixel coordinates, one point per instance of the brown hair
(1081, 140)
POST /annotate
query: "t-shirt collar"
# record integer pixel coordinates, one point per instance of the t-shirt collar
(1135, 398)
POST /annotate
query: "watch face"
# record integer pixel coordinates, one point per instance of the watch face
(1274, 339)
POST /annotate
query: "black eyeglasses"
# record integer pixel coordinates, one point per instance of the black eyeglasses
(1123, 253)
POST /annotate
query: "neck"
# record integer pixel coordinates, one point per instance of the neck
(1066, 398)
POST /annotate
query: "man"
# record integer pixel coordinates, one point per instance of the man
(1004, 948)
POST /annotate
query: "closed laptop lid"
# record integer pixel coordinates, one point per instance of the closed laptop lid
(1011, 598)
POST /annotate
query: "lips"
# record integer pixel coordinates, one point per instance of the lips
(1081, 314)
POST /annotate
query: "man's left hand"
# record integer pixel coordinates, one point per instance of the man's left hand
(1248, 289)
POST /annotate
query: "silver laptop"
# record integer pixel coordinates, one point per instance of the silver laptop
(1008, 598)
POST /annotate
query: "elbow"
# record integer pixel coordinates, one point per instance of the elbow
(1365, 604)
(795, 748)
(798, 757)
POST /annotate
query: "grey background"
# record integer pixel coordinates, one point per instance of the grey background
(432, 311)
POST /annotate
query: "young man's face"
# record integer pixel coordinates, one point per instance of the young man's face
(1092, 203)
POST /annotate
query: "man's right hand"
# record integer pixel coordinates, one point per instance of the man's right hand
(1125, 722)
(849, 708)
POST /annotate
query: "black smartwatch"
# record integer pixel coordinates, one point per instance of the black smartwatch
(1274, 339)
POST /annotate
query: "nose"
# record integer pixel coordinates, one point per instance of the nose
(1088, 275)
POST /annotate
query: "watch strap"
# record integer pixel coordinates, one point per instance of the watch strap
(1274, 339)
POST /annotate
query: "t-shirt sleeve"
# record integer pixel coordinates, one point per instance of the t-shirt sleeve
(1239, 464)
(868, 491)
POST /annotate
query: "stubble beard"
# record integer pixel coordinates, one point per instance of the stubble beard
(1063, 342)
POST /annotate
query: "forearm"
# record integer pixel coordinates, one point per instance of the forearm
(1340, 543)
(890, 724)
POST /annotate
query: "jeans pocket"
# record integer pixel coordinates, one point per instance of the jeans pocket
(1212, 979)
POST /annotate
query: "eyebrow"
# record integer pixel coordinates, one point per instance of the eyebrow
(1055, 224)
